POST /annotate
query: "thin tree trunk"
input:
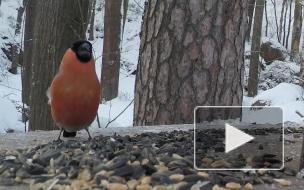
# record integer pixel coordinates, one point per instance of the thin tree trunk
(296, 31)
(58, 25)
(111, 50)
(14, 51)
(251, 6)
(289, 25)
(281, 21)
(302, 60)
(255, 49)
(266, 18)
(193, 65)
(30, 16)
(284, 25)
(92, 21)
(301, 165)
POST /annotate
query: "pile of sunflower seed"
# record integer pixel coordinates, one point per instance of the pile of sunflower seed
(157, 161)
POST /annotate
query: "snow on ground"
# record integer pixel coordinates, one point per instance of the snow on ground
(10, 103)
(287, 96)
(279, 72)
(10, 85)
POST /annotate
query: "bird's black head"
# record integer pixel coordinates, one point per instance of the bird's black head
(83, 50)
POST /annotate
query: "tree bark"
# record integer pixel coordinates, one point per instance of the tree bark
(58, 25)
(255, 49)
(111, 50)
(251, 6)
(296, 31)
(191, 53)
(30, 16)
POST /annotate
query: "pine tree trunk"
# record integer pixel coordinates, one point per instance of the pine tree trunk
(255, 49)
(111, 50)
(30, 16)
(296, 31)
(58, 25)
(251, 6)
(191, 53)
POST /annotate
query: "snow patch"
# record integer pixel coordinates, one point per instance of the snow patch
(287, 96)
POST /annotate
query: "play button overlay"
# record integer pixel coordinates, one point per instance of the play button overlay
(235, 138)
(238, 138)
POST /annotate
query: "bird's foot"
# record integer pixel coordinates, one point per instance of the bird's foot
(90, 137)
(59, 139)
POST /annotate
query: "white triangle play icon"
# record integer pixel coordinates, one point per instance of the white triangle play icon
(235, 138)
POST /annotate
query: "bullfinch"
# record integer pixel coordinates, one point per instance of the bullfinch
(75, 91)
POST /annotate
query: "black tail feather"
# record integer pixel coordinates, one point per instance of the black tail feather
(69, 134)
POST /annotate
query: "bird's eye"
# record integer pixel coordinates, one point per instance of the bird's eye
(86, 46)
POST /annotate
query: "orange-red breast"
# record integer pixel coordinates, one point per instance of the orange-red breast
(75, 91)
